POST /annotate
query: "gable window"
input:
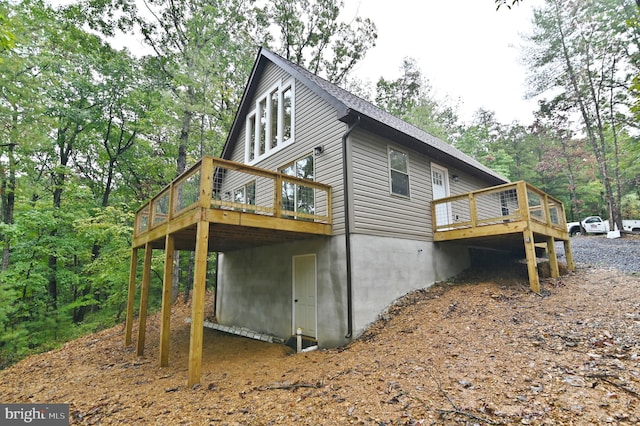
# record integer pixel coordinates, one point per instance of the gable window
(298, 198)
(399, 172)
(269, 126)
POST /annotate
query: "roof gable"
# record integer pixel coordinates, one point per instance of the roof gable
(350, 108)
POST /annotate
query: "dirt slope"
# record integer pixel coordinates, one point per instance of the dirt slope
(459, 353)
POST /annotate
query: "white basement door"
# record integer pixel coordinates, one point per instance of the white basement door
(304, 294)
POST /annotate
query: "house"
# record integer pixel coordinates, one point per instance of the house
(324, 209)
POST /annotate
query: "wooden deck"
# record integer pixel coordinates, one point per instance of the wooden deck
(217, 205)
(199, 195)
(515, 216)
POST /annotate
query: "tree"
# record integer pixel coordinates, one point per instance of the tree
(7, 39)
(398, 97)
(582, 50)
(410, 97)
(310, 34)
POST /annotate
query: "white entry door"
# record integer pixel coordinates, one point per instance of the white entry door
(440, 187)
(304, 294)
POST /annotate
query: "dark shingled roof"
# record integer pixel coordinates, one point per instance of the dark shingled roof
(349, 107)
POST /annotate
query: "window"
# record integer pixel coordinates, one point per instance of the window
(262, 128)
(273, 118)
(298, 198)
(269, 125)
(251, 148)
(399, 172)
(246, 194)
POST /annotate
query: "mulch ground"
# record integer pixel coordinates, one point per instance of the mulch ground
(474, 351)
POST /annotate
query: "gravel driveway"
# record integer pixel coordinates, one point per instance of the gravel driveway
(600, 251)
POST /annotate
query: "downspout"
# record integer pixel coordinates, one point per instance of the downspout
(347, 225)
(215, 291)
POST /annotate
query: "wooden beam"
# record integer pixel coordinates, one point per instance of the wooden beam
(532, 267)
(131, 296)
(165, 322)
(144, 299)
(197, 303)
(553, 258)
(183, 220)
(569, 255)
(481, 231)
(542, 229)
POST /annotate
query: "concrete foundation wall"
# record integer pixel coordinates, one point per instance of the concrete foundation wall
(255, 288)
(385, 269)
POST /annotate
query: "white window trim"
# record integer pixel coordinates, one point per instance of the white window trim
(389, 148)
(280, 170)
(255, 113)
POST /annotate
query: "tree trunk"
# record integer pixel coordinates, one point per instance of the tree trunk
(181, 164)
(9, 194)
(597, 141)
(573, 196)
(53, 259)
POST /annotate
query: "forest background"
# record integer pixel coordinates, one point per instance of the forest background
(88, 132)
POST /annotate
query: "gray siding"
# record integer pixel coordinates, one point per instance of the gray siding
(376, 210)
(315, 124)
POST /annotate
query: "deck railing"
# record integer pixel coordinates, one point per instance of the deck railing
(221, 184)
(511, 202)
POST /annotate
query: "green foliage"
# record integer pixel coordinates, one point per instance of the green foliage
(7, 39)
(410, 97)
(584, 55)
(310, 34)
(88, 131)
(110, 228)
(631, 206)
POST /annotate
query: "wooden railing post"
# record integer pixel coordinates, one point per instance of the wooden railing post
(434, 221)
(277, 196)
(206, 182)
(523, 200)
(547, 211)
(172, 198)
(473, 211)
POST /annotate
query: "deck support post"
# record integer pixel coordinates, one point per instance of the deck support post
(553, 258)
(131, 296)
(165, 322)
(197, 303)
(569, 255)
(144, 298)
(532, 267)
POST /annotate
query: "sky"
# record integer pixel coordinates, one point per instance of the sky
(465, 48)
